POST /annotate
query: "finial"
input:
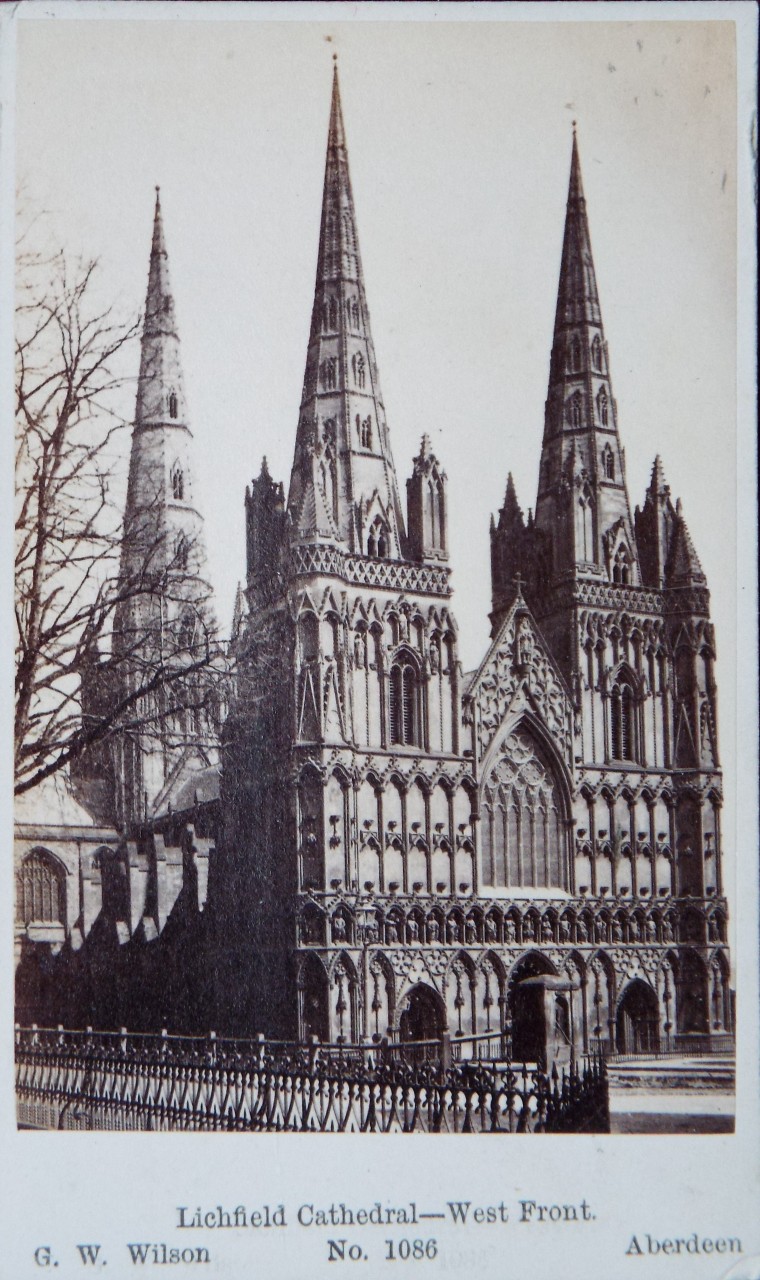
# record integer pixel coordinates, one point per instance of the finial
(575, 126)
(335, 57)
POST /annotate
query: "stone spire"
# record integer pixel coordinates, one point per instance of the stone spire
(166, 616)
(581, 492)
(343, 486)
(163, 529)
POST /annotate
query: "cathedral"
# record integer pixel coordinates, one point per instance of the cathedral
(380, 844)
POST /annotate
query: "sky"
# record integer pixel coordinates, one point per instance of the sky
(459, 137)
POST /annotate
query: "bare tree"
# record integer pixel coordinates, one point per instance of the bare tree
(73, 380)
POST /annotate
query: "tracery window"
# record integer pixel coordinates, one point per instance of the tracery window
(377, 539)
(608, 463)
(329, 372)
(173, 405)
(178, 483)
(40, 894)
(365, 434)
(574, 355)
(596, 352)
(523, 834)
(404, 703)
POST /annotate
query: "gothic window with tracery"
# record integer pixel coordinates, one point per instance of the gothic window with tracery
(622, 720)
(596, 352)
(40, 893)
(329, 372)
(603, 407)
(377, 539)
(173, 405)
(608, 463)
(522, 830)
(178, 482)
(574, 355)
(404, 703)
(366, 433)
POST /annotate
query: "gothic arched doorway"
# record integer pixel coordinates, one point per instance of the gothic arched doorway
(422, 1015)
(527, 1006)
(315, 1019)
(637, 1027)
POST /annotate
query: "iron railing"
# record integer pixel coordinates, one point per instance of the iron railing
(682, 1045)
(116, 1080)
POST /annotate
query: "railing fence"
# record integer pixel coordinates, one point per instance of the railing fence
(118, 1080)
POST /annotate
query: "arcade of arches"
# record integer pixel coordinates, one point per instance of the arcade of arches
(545, 1003)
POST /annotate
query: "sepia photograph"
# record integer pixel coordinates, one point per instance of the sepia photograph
(379, 670)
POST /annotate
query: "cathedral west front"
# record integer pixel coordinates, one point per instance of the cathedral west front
(383, 845)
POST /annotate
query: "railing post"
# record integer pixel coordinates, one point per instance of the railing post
(313, 1051)
(35, 1034)
(123, 1040)
(212, 1046)
(445, 1050)
(260, 1048)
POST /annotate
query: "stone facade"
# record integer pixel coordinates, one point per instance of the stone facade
(536, 848)
(399, 850)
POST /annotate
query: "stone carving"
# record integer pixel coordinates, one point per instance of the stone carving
(519, 670)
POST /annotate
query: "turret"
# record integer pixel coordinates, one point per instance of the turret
(426, 507)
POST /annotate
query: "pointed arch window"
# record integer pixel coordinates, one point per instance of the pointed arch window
(178, 483)
(574, 410)
(181, 552)
(603, 407)
(173, 404)
(359, 368)
(365, 434)
(377, 539)
(40, 894)
(525, 841)
(329, 372)
(404, 720)
(621, 566)
(623, 738)
(596, 352)
(608, 463)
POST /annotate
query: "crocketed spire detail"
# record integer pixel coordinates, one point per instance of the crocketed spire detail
(343, 486)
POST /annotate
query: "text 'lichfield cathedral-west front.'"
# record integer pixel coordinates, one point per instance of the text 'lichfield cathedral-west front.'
(354, 842)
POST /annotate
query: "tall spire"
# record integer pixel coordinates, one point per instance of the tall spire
(343, 483)
(582, 500)
(167, 609)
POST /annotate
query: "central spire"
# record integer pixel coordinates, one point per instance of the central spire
(343, 486)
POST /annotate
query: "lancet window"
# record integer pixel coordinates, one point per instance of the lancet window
(178, 482)
(621, 566)
(603, 407)
(574, 410)
(404, 720)
(608, 463)
(622, 720)
(596, 352)
(359, 368)
(173, 404)
(377, 539)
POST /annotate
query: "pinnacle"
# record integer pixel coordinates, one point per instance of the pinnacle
(658, 483)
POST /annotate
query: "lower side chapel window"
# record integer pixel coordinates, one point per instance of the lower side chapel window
(523, 835)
